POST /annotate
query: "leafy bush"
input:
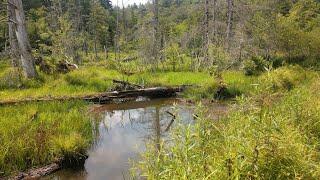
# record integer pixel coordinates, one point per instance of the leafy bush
(285, 78)
(255, 66)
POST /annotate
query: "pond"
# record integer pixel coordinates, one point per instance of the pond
(121, 134)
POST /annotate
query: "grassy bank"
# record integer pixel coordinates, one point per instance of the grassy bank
(36, 134)
(90, 80)
(273, 134)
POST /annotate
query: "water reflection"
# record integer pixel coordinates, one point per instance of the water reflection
(121, 135)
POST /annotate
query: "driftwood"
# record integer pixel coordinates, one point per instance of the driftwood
(108, 97)
(37, 173)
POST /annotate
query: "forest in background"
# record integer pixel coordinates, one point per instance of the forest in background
(260, 57)
(207, 34)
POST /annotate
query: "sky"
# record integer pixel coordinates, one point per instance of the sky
(127, 2)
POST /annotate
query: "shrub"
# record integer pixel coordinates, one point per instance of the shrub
(285, 78)
(255, 66)
(10, 79)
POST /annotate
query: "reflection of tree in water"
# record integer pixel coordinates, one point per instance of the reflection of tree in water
(149, 122)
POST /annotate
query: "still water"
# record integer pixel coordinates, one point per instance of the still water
(121, 134)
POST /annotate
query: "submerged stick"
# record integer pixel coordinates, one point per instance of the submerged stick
(171, 122)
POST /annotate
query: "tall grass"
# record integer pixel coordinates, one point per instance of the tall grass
(277, 141)
(39, 133)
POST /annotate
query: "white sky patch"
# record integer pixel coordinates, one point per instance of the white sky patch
(127, 2)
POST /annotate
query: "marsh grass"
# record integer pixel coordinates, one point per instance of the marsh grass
(93, 79)
(39, 133)
(277, 141)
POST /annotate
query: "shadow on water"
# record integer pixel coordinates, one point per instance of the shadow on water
(121, 134)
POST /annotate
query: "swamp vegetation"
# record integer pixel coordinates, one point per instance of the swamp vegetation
(249, 71)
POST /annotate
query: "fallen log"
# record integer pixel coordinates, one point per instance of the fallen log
(107, 97)
(37, 173)
(157, 92)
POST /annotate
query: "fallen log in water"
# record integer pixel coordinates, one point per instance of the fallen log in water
(107, 97)
(37, 173)
(157, 92)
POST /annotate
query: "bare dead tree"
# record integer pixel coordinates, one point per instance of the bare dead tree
(206, 27)
(230, 4)
(116, 42)
(17, 17)
(155, 51)
(215, 26)
(13, 49)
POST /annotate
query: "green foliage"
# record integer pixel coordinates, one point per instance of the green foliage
(255, 65)
(94, 80)
(13, 79)
(38, 133)
(176, 60)
(268, 142)
(206, 91)
(285, 78)
(219, 58)
(297, 31)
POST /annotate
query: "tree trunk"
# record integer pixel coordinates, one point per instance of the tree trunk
(229, 22)
(116, 48)
(27, 60)
(14, 53)
(125, 23)
(156, 30)
(206, 27)
(95, 47)
(215, 26)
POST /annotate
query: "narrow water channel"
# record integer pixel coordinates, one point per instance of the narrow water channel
(122, 132)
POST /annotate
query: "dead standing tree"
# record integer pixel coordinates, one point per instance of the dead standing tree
(230, 4)
(19, 41)
(206, 27)
(13, 50)
(155, 49)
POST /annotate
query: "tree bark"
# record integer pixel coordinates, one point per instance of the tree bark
(206, 27)
(13, 50)
(27, 60)
(156, 30)
(116, 48)
(215, 26)
(229, 22)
